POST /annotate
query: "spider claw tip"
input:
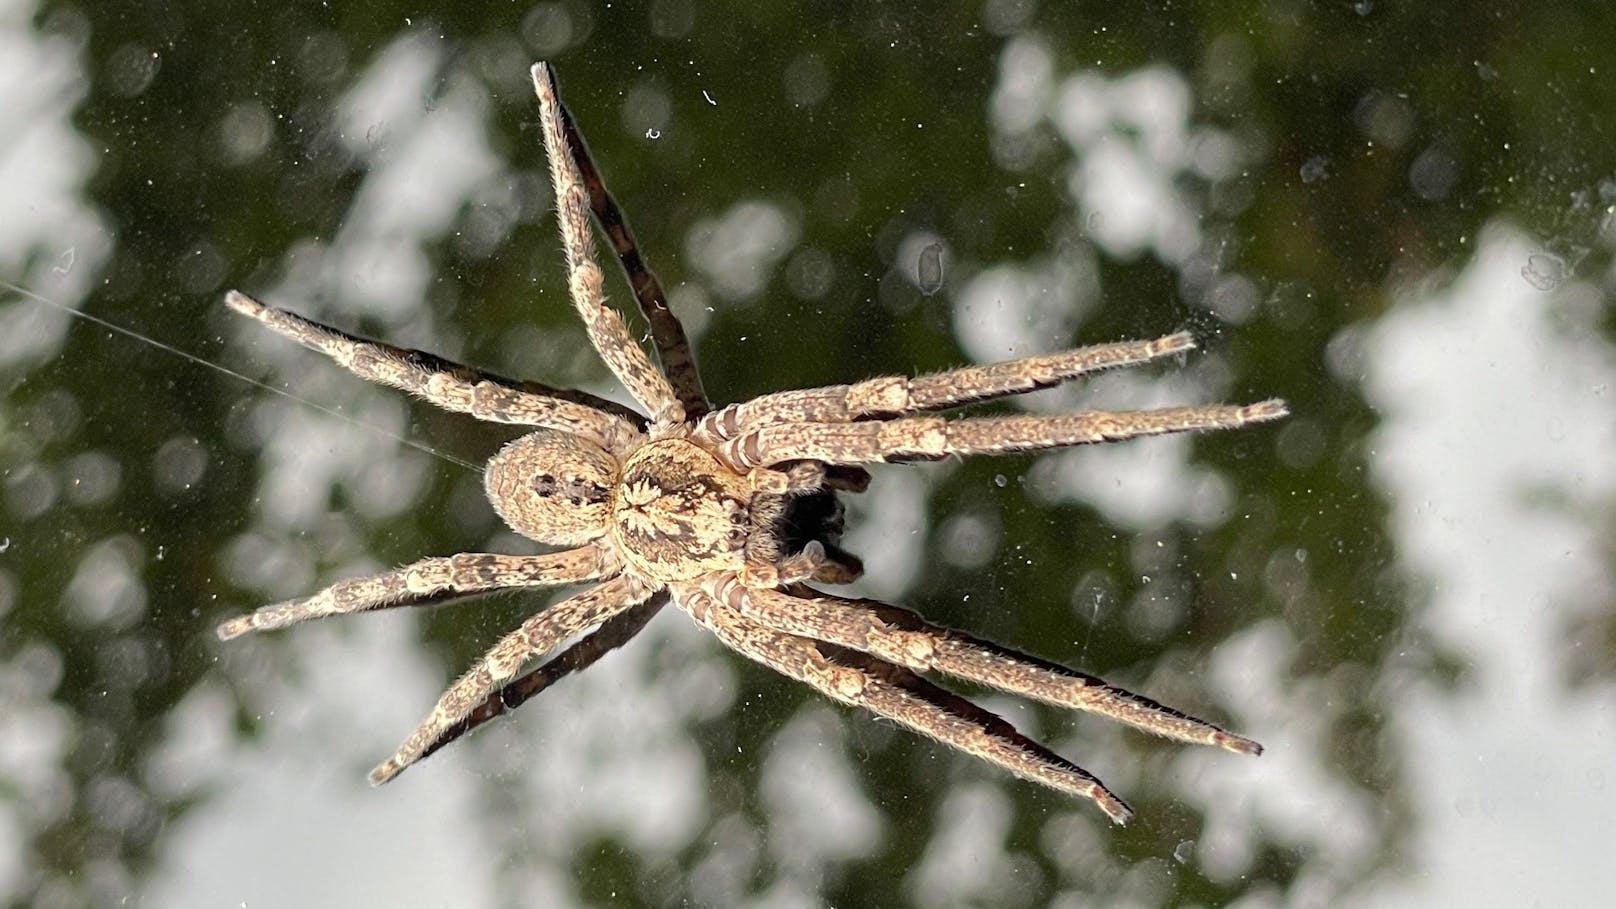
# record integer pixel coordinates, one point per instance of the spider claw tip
(1239, 744)
(242, 303)
(233, 628)
(1263, 411)
(1118, 811)
(384, 772)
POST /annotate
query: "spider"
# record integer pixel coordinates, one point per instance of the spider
(730, 513)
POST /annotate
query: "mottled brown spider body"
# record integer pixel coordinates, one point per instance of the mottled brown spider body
(680, 514)
(729, 514)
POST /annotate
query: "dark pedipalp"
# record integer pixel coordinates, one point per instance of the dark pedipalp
(782, 525)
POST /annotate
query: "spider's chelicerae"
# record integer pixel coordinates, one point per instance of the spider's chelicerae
(730, 514)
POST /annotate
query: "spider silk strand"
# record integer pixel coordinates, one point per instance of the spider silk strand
(131, 333)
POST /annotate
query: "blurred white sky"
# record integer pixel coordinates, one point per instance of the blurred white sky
(1497, 450)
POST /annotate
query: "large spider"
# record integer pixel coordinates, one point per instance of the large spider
(730, 513)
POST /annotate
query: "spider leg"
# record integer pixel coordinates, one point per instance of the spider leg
(839, 567)
(536, 636)
(428, 582)
(897, 395)
(453, 387)
(673, 347)
(612, 634)
(930, 438)
(847, 478)
(810, 562)
(891, 691)
(902, 637)
(607, 331)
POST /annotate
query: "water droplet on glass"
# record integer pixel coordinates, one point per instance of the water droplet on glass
(1001, 481)
(653, 133)
(64, 262)
(1182, 852)
(1363, 7)
(1544, 271)
(1316, 169)
(1096, 221)
(929, 270)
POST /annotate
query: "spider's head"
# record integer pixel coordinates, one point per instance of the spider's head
(553, 487)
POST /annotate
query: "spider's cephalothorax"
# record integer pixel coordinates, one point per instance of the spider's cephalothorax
(679, 513)
(730, 514)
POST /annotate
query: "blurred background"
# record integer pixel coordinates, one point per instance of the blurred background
(1399, 219)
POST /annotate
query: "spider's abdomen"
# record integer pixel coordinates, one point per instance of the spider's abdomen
(680, 513)
(553, 487)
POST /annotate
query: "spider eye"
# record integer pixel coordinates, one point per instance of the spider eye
(552, 487)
